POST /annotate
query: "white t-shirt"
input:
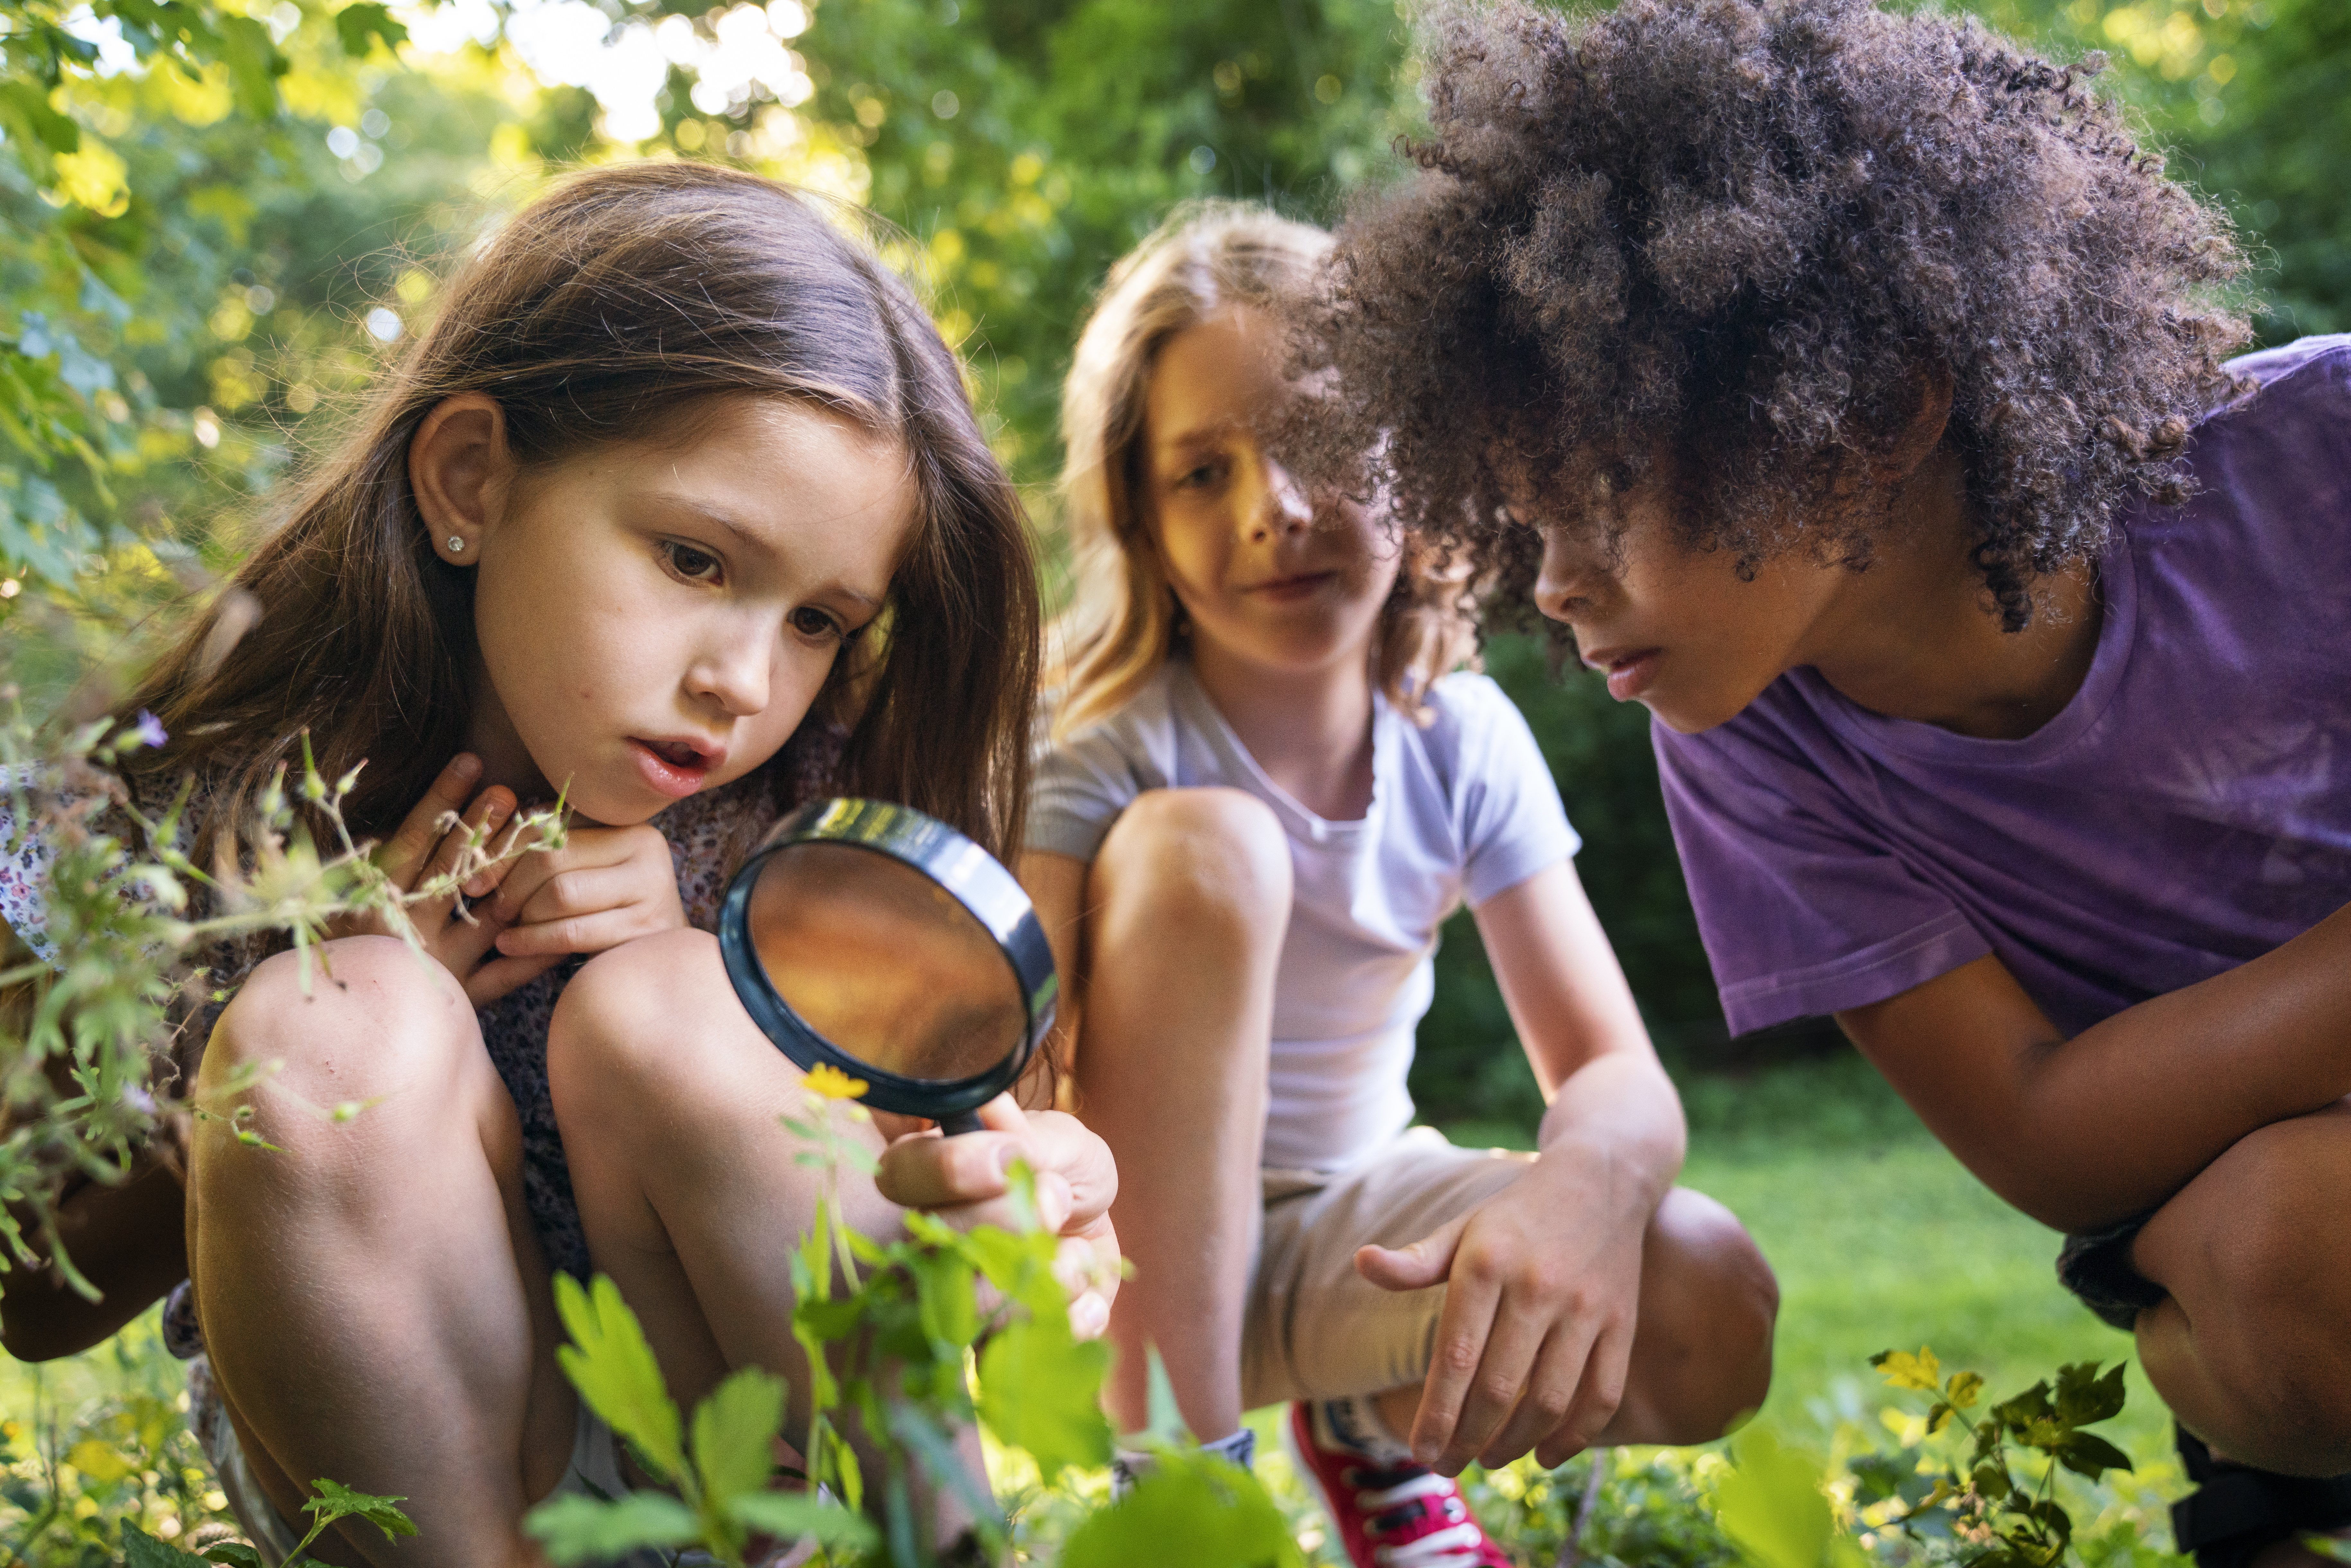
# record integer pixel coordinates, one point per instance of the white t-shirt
(1460, 811)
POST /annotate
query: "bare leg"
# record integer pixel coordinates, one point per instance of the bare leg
(2253, 1349)
(669, 1098)
(1186, 903)
(373, 1300)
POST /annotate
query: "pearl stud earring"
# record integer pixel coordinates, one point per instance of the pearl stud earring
(457, 544)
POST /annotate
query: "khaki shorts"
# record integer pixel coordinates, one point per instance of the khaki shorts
(1315, 1328)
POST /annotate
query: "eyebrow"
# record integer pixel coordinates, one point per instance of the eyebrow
(749, 540)
(1200, 435)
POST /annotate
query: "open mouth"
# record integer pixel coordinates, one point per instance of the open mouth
(674, 767)
(678, 753)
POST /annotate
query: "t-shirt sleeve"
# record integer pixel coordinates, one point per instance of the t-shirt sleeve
(1081, 785)
(1801, 913)
(1512, 824)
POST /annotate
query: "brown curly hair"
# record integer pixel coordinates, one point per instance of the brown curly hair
(1742, 232)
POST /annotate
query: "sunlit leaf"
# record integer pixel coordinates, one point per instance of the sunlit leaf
(735, 1434)
(576, 1528)
(613, 1368)
(361, 26)
(1039, 1389)
(790, 1515)
(1191, 1509)
(1904, 1370)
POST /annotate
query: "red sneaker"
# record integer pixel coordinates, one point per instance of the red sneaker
(1389, 1516)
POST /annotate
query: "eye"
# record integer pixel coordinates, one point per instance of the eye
(810, 621)
(1200, 476)
(692, 565)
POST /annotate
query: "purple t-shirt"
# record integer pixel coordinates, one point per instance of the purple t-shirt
(2189, 810)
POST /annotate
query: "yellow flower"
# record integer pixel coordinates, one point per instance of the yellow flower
(831, 1081)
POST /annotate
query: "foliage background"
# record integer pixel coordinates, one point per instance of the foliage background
(217, 217)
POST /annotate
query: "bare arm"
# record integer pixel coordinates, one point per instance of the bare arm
(1583, 1034)
(1543, 1279)
(2085, 1133)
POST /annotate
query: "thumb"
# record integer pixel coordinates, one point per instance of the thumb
(1425, 1262)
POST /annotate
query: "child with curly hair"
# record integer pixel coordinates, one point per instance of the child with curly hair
(1855, 387)
(1267, 787)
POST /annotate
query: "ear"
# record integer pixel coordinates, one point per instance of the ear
(459, 470)
(1929, 390)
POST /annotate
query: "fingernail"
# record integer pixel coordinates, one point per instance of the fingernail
(464, 765)
(1089, 1316)
(1053, 1199)
(1005, 1153)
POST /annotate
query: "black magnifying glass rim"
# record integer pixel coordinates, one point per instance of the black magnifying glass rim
(978, 880)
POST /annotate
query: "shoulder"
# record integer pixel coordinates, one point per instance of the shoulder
(2296, 408)
(1137, 731)
(1468, 714)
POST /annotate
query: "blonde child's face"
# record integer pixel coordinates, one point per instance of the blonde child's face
(655, 621)
(1270, 576)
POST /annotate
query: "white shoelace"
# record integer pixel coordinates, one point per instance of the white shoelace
(1454, 1547)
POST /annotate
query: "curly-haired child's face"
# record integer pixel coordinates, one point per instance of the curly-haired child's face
(1676, 628)
(1270, 576)
(654, 620)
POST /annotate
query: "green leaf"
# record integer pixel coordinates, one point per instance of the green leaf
(253, 65)
(1165, 1420)
(1039, 1389)
(2087, 1454)
(2083, 1397)
(1904, 1370)
(335, 1500)
(141, 1550)
(576, 1528)
(735, 1435)
(945, 1286)
(236, 1554)
(1192, 1510)
(1773, 1508)
(788, 1515)
(26, 105)
(612, 1367)
(360, 25)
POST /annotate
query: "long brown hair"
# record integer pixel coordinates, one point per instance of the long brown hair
(609, 309)
(1121, 621)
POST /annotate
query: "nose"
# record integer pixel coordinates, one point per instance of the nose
(737, 670)
(1285, 509)
(1565, 581)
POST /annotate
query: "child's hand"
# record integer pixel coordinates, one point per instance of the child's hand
(422, 850)
(1543, 1285)
(605, 886)
(962, 1179)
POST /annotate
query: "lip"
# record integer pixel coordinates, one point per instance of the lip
(661, 763)
(1630, 670)
(1296, 586)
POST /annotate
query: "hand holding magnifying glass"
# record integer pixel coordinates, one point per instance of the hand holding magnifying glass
(875, 939)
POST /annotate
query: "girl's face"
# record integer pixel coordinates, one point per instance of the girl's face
(654, 621)
(1674, 628)
(1269, 576)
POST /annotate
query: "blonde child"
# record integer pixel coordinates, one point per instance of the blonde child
(1263, 794)
(623, 522)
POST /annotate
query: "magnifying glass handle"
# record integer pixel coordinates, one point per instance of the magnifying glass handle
(961, 1121)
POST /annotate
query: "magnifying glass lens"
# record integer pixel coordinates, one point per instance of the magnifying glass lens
(883, 961)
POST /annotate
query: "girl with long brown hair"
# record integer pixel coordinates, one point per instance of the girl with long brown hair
(677, 508)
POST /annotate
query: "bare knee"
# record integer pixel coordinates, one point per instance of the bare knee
(1710, 1301)
(1202, 857)
(366, 1021)
(636, 1020)
(2253, 1351)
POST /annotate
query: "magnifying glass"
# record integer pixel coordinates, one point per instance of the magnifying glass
(877, 939)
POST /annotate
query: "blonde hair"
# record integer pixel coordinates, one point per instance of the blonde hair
(1121, 620)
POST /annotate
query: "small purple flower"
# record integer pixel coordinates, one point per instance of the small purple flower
(148, 729)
